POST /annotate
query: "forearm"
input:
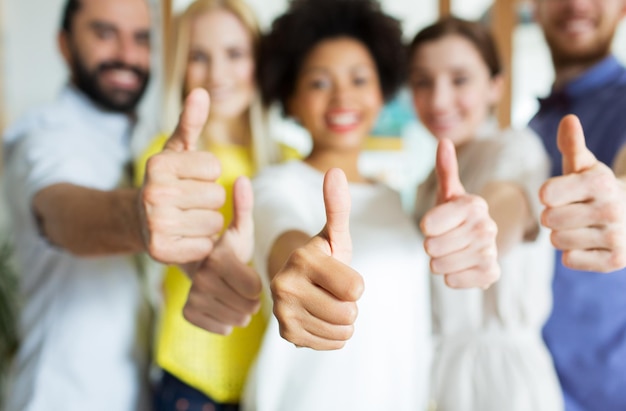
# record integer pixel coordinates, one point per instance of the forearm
(87, 222)
(510, 209)
(282, 249)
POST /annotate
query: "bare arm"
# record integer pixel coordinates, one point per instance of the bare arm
(286, 244)
(510, 209)
(88, 222)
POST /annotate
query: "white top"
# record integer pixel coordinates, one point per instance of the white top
(489, 354)
(84, 322)
(384, 366)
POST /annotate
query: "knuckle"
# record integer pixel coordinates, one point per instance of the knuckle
(612, 212)
(617, 260)
(156, 163)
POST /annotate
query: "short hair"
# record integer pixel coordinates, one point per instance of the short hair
(475, 32)
(306, 23)
(69, 11)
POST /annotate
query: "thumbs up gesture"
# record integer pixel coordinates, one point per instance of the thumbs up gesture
(225, 290)
(585, 207)
(179, 202)
(460, 234)
(315, 292)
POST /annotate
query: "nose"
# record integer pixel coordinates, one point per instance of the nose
(131, 53)
(218, 70)
(342, 93)
(441, 96)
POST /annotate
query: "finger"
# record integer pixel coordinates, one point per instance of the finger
(462, 260)
(475, 277)
(338, 279)
(167, 250)
(448, 216)
(214, 312)
(303, 338)
(571, 143)
(328, 331)
(571, 216)
(450, 242)
(243, 202)
(337, 203)
(598, 181)
(586, 239)
(198, 165)
(602, 261)
(447, 170)
(240, 277)
(191, 122)
(194, 195)
(209, 286)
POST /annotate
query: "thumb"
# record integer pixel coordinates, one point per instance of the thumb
(242, 222)
(337, 203)
(191, 122)
(571, 142)
(447, 169)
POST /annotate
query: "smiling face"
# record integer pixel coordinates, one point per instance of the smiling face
(221, 60)
(108, 51)
(453, 91)
(337, 95)
(579, 31)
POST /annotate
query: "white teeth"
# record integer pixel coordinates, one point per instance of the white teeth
(345, 119)
(124, 77)
(578, 26)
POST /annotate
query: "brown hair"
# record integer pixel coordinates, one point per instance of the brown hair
(476, 33)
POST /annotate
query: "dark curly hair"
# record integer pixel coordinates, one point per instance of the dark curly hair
(308, 22)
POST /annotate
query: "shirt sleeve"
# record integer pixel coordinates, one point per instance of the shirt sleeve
(521, 158)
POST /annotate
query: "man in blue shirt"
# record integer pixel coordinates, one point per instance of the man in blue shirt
(586, 206)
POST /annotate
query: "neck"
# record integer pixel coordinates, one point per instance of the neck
(566, 72)
(228, 131)
(348, 161)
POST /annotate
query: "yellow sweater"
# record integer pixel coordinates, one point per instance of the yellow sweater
(214, 364)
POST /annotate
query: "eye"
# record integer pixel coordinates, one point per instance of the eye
(360, 80)
(105, 33)
(143, 39)
(460, 80)
(198, 57)
(319, 84)
(421, 83)
(235, 54)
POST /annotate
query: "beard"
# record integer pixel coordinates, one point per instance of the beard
(570, 56)
(115, 100)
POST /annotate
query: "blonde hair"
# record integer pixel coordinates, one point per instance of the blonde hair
(264, 151)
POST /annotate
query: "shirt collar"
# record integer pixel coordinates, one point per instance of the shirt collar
(598, 76)
(108, 122)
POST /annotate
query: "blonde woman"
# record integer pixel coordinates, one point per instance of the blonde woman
(214, 48)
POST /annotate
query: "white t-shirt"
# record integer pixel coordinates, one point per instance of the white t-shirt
(384, 366)
(84, 323)
(489, 354)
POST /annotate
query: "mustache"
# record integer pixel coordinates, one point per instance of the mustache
(118, 65)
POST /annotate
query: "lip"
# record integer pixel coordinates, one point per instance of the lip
(342, 121)
(122, 79)
(577, 26)
(220, 93)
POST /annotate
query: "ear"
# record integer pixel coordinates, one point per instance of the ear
(64, 47)
(496, 89)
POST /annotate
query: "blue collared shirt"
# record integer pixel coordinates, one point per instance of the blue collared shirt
(586, 332)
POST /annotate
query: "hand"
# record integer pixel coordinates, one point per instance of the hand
(225, 290)
(315, 292)
(586, 207)
(180, 200)
(460, 234)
